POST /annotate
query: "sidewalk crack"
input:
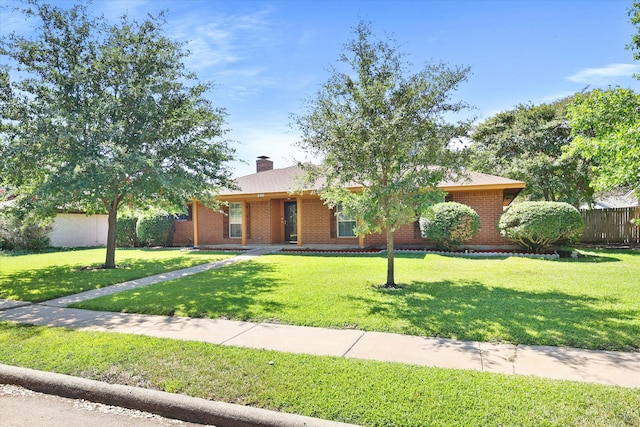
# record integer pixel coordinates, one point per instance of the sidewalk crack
(481, 356)
(353, 345)
(238, 334)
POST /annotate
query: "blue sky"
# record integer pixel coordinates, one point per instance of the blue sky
(267, 57)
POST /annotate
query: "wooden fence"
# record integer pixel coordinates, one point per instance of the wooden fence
(611, 225)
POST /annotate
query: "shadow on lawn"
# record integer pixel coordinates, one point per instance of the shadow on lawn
(42, 284)
(473, 311)
(229, 292)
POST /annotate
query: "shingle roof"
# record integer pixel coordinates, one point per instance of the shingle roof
(479, 179)
(284, 180)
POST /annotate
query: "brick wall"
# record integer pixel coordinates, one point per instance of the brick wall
(316, 224)
(209, 225)
(260, 223)
(184, 233)
(488, 204)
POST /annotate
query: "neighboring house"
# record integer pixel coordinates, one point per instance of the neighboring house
(264, 211)
(619, 198)
(73, 230)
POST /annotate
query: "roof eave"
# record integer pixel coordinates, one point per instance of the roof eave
(479, 187)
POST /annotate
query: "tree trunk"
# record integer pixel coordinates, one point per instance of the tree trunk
(110, 261)
(391, 283)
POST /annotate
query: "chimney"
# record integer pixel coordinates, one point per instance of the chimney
(263, 164)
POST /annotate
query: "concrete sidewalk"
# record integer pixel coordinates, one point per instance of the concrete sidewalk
(604, 367)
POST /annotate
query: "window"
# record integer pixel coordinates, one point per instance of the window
(235, 220)
(346, 223)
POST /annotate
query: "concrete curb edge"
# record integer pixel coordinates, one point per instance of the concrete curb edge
(169, 405)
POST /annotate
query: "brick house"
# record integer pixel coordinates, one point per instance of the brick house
(263, 211)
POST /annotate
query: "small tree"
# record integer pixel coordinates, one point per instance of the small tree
(379, 128)
(539, 225)
(101, 115)
(449, 224)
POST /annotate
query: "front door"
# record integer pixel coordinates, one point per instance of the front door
(290, 222)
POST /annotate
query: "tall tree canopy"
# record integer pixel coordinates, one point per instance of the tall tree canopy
(526, 143)
(606, 125)
(381, 128)
(95, 115)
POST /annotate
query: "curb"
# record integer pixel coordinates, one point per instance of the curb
(169, 405)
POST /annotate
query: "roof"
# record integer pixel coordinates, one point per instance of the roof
(284, 181)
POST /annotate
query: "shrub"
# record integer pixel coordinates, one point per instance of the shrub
(540, 225)
(18, 231)
(155, 229)
(126, 234)
(449, 224)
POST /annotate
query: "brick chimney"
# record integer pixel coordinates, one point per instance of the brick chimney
(263, 164)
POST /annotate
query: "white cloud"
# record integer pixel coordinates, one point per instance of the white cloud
(604, 75)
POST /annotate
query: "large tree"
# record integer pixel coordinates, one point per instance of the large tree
(526, 143)
(97, 115)
(381, 128)
(606, 125)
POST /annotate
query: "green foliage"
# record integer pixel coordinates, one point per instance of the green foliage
(155, 229)
(449, 224)
(22, 231)
(379, 127)
(103, 113)
(634, 18)
(127, 236)
(540, 225)
(606, 126)
(526, 144)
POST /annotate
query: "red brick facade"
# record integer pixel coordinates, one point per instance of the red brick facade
(265, 223)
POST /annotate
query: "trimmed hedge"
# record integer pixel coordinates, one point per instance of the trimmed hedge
(449, 224)
(155, 229)
(540, 225)
(126, 234)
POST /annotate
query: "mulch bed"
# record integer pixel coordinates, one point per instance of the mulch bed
(335, 251)
(460, 252)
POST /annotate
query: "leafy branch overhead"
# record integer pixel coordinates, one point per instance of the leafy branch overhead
(100, 114)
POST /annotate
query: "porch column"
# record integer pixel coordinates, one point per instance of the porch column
(299, 219)
(244, 223)
(360, 237)
(194, 215)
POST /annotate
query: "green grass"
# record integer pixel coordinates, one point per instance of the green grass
(591, 302)
(361, 392)
(41, 277)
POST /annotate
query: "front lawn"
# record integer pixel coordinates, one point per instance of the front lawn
(41, 277)
(591, 302)
(361, 392)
